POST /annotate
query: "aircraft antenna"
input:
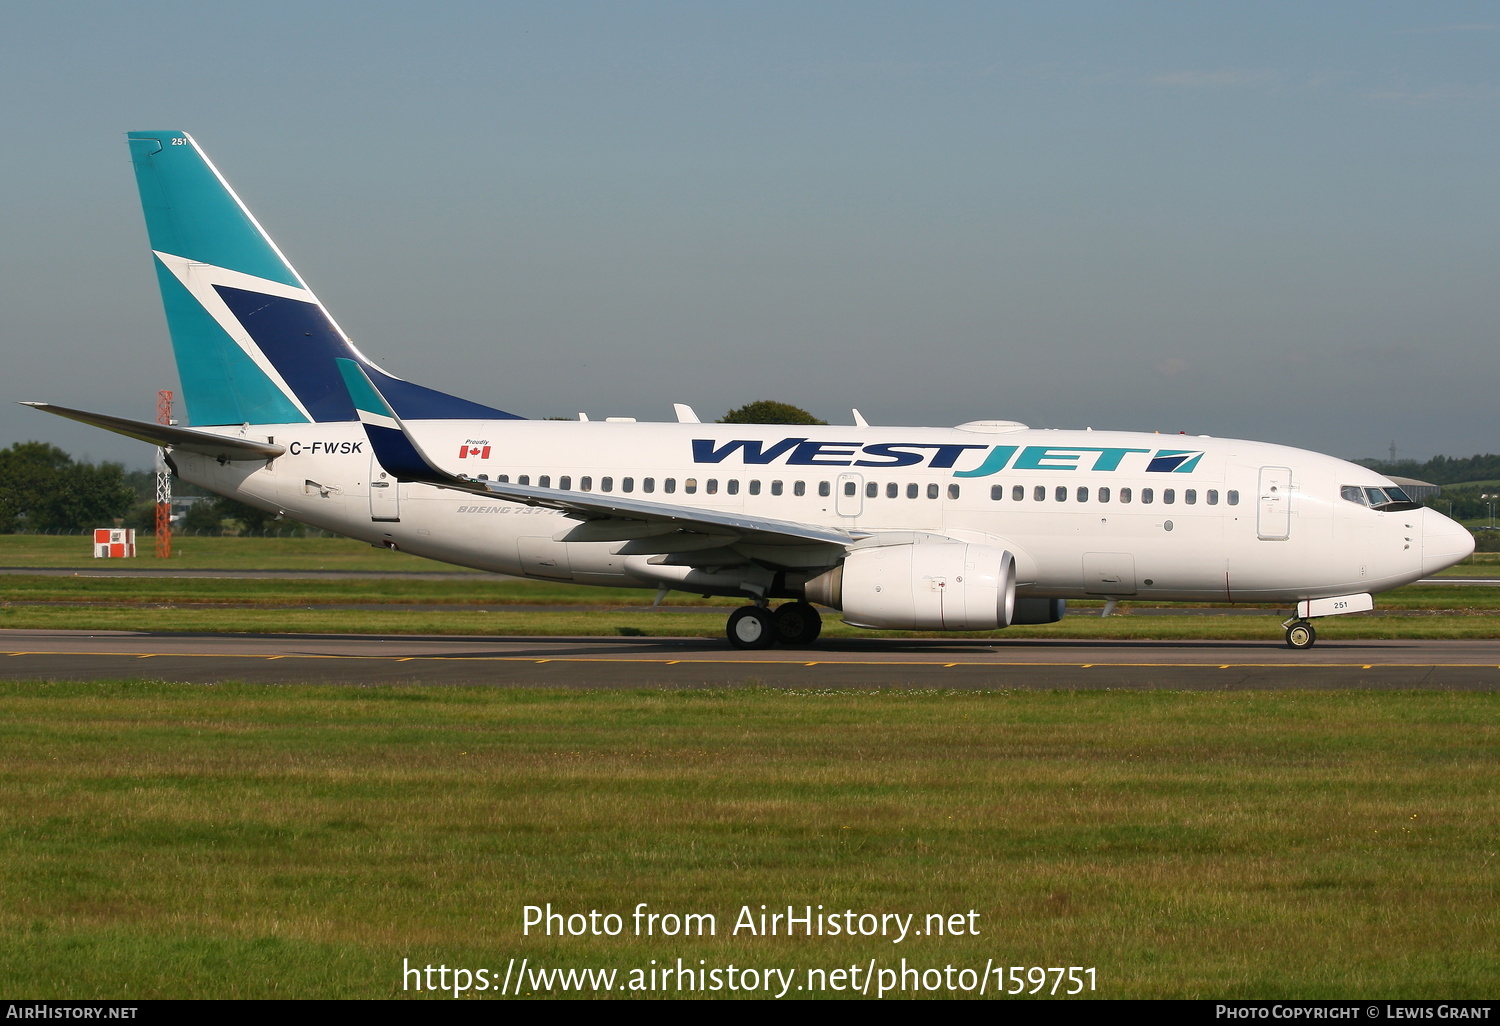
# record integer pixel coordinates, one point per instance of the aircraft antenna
(163, 482)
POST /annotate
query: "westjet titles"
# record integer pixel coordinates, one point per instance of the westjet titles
(805, 452)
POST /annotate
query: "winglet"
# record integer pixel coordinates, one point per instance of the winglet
(394, 448)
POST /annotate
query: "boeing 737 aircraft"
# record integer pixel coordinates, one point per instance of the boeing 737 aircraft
(971, 528)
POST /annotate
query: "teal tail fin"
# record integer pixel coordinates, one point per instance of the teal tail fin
(252, 342)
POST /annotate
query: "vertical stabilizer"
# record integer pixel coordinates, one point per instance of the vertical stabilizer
(252, 342)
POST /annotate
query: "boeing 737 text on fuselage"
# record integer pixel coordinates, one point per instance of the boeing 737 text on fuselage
(971, 528)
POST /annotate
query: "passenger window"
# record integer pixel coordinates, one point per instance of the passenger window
(912, 491)
(1124, 494)
(565, 482)
(669, 485)
(953, 491)
(1060, 493)
(545, 481)
(849, 488)
(713, 486)
(1039, 493)
(690, 485)
(627, 484)
(1148, 495)
(1083, 494)
(1104, 494)
(775, 487)
(799, 488)
(586, 483)
(524, 479)
(732, 487)
(932, 491)
(892, 490)
(648, 484)
(1213, 496)
(871, 490)
(606, 484)
(1190, 497)
(997, 492)
(825, 489)
(755, 488)
(1018, 493)
(1169, 495)
(1233, 497)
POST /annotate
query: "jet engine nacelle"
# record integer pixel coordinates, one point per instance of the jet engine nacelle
(929, 585)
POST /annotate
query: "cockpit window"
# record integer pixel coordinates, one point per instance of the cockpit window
(1385, 499)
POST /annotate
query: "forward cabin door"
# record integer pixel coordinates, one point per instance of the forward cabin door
(385, 499)
(1273, 518)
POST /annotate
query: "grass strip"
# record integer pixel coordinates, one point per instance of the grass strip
(167, 840)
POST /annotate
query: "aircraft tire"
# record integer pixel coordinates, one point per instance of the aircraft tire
(751, 627)
(1301, 635)
(798, 624)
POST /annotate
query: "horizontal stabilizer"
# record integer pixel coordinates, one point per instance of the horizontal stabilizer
(218, 447)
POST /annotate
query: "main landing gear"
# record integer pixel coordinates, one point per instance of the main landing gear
(794, 625)
(1300, 634)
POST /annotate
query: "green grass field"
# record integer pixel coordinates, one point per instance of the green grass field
(76, 551)
(231, 841)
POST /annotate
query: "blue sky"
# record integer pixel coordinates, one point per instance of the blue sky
(1269, 220)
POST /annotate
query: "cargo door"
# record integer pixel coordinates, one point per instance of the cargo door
(544, 557)
(1273, 518)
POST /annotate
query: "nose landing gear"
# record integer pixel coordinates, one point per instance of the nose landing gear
(794, 624)
(1300, 634)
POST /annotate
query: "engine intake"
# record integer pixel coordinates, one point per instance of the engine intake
(929, 585)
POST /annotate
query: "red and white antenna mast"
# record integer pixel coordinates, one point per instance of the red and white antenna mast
(163, 482)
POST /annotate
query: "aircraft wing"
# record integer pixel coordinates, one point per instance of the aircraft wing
(403, 458)
(219, 447)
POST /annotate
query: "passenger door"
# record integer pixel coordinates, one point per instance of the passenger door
(385, 498)
(1273, 517)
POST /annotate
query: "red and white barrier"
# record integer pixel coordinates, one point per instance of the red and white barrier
(112, 542)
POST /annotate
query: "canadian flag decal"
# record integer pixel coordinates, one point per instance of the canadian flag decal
(466, 450)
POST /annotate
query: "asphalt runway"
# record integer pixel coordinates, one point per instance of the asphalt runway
(695, 662)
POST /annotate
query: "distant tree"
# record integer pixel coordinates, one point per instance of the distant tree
(225, 516)
(203, 517)
(250, 519)
(28, 471)
(42, 488)
(766, 411)
(85, 495)
(1440, 469)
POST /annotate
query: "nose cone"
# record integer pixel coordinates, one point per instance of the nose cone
(1444, 542)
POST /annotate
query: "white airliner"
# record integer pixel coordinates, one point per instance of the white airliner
(970, 528)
